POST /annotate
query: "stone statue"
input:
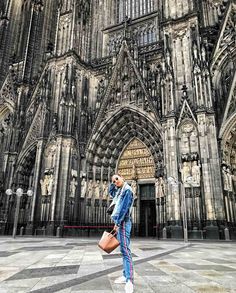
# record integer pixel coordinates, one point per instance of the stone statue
(90, 188)
(126, 89)
(73, 186)
(44, 185)
(196, 173)
(185, 173)
(74, 173)
(201, 126)
(225, 178)
(230, 181)
(105, 189)
(134, 172)
(43, 188)
(50, 184)
(134, 187)
(97, 189)
(83, 187)
(100, 92)
(156, 187)
(160, 187)
(133, 94)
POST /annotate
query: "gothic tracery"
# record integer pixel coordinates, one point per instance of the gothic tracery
(85, 83)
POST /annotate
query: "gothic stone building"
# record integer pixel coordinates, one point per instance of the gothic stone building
(145, 88)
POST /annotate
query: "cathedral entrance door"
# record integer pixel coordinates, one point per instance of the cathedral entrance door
(147, 210)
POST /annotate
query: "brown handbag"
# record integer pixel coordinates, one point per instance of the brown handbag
(108, 242)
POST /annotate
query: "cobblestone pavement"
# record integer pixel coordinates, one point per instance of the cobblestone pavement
(78, 265)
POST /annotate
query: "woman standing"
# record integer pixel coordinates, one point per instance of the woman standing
(121, 216)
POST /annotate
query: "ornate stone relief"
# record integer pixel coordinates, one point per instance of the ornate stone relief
(136, 157)
(8, 93)
(5, 124)
(143, 35)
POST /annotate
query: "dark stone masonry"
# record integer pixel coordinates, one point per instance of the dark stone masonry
(145, 88)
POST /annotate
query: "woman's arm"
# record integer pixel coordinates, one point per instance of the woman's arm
(112, 190)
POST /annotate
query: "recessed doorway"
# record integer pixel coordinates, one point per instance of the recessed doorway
(147, 210)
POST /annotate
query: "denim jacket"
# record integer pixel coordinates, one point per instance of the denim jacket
(124, 202)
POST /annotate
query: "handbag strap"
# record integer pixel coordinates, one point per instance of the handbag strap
(115, 232)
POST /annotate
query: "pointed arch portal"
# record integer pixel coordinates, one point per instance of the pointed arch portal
(127, 127)
(129, 142)
(228, 169)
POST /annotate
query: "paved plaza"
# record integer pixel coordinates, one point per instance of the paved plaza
(78, 265)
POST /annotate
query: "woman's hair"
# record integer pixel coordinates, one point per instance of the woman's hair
(118, 174)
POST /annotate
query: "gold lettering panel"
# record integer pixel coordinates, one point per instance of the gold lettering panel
(136, 161)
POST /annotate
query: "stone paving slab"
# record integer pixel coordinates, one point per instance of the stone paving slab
(38, 248)
(45, 272)
(5, 253)
(70, 265)
(220, 261)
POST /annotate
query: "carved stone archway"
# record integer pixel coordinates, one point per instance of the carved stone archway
(22, 177)
(129, 124)
(228, 168)
(228, 143)
(114, 135)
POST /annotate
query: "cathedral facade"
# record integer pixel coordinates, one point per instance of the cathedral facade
(145, 88)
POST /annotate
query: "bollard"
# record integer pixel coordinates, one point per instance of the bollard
(21, 231)
(226, 231)
(58, 231)
(164, 233)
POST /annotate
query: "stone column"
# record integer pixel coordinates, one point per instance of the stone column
(206, 172)
(35, 214)
(57, 176)
(170, 151)
(212, 189)
(62, 178)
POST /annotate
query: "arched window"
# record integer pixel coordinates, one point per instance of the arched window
(133, 8)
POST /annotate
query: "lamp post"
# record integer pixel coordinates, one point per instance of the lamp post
(173, 181)
(19, 192)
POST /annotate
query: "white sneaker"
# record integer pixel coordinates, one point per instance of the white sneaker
(120, 280)
(129, 287)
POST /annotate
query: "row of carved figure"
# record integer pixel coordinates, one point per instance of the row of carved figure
(47, 183)
(90, 189)
(191, 170)
(98, 189)
(94, 189)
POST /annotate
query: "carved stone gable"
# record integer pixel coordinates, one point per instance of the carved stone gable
(186, 112)
(36, 126)
(126, 87)
(136, 161)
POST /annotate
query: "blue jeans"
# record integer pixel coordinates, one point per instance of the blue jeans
(124, 239)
